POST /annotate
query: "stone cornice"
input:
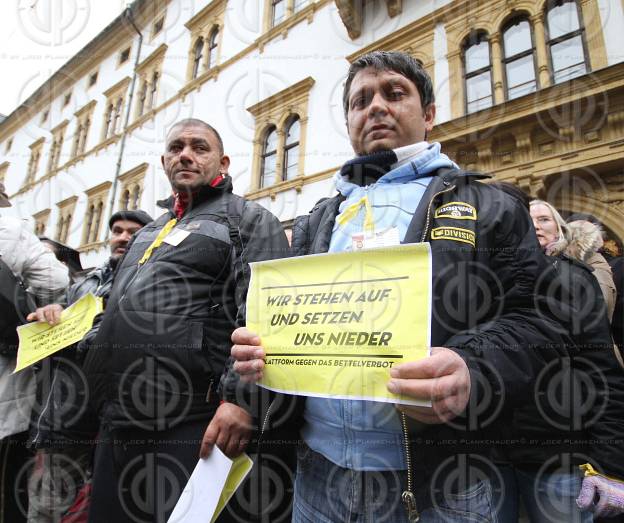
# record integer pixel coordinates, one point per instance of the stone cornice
(289, 95)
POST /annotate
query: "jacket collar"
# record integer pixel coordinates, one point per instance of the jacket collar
(205, 192)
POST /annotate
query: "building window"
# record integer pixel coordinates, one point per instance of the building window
(41, 222)
(4, 167)
(96, 202)
(83, 123)
(281, 121)
(44, 116)
(269, 158)
(115, 99)
(58, 137)
(300, 4)
(149, 71)
(124, 56)
(565, 41)
(132, 187)
(278, 12)
(197, 56)
(92, 79)
(477, 73)
(205, 35)
(158, 26)
(66, 213)
(33, 164)
(9, 144)
(519, 59)
(291, 148)
(67, 99)
(213, 43)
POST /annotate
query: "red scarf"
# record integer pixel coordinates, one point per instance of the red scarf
(183, 199)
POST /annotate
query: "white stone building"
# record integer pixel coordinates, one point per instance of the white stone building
(268, 74)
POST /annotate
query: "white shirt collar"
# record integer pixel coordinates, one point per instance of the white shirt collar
(407, 152)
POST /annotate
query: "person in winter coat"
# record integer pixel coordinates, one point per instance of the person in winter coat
(64, 428)
(46, 278)
(155, 363)
(367, 461)
(584, 242)
(579, 424)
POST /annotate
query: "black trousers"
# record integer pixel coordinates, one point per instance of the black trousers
(139, 475)
(15, 468)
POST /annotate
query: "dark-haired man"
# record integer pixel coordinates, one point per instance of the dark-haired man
(365, 461)
(156, 361)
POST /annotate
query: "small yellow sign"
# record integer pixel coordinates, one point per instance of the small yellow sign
(39, 340)
(333, 325)
(241, 466)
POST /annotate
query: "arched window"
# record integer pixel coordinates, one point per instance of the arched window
(565, 40)
(85, 132)
(291, 148)
(153, 89)
(96, 222)
(108, 130)
(197, 56)
(519, 58)
(212, 46)
(269, 158)
(136, 196)
(278, 12)
(477, 73)
(117, 119)
(125, 200)
(142, 98)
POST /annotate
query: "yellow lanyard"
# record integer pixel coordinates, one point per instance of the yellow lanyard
(352, 211)
(159, 239)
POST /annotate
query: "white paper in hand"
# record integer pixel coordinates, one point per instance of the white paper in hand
(201, 494)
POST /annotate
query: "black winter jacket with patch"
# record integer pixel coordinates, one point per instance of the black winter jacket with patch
(165, 334)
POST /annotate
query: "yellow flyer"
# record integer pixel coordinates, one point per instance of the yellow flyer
(333, 325)
(38, 340)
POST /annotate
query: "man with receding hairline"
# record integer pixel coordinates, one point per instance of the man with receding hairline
(155, 364)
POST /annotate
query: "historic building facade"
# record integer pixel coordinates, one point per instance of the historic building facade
(531, 91)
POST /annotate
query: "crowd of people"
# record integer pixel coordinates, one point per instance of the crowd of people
(525, 376)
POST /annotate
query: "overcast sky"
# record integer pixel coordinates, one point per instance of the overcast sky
(38, 36)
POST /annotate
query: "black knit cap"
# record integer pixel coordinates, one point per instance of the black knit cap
(138, 216)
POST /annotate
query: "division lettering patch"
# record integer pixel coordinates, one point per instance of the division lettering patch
(455, 234)
(457, 211)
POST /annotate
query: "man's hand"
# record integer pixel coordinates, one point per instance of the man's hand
(248, 355)
(610, 496)
(442, 378)
(230, 430)
(50, 313)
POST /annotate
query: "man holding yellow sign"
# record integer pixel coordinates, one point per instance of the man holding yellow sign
(368, 461)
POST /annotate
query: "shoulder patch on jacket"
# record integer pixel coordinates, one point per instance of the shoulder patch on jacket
(454, 234)
(456, 211)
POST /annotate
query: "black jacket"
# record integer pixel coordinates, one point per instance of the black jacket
(165, 335)
(576, 414)
(484, 290)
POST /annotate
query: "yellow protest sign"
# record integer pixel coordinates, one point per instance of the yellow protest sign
(38, 340)
(333, 325)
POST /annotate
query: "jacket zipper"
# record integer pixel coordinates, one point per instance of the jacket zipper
(407, 497)
(264, 422)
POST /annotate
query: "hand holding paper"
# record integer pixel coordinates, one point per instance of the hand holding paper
(443, 378)
(229, 429)
(249, 355)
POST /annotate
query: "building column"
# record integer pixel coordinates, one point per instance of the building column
(497, 69)
(457, 87)
(541, 54)
(593, 34)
